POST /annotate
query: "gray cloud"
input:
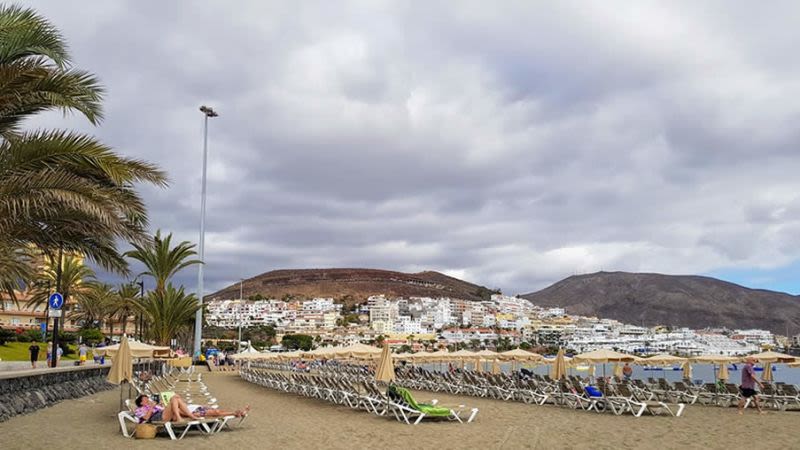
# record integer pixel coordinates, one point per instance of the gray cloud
(510, 144)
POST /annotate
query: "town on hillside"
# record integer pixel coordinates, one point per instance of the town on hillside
(503, 322)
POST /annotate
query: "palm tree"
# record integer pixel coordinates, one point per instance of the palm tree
(126, 303)
(76, 281)
(93, 305)
(15, 269)
(169, 313)
(161, 260)
(60, 190)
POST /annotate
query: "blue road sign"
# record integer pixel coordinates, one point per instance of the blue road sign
(56, 300)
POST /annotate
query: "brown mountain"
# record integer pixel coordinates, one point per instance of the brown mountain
(352, 286)
(655, 299)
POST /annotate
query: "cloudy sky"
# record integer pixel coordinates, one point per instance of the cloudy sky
(510, 144)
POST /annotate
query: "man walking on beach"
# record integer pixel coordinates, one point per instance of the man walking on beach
(34, 350)
(748, 386)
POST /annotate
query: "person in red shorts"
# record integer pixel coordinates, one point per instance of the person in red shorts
(748, 386)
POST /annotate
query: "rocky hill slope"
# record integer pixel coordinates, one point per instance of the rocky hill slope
(655, 299)
(352, 286)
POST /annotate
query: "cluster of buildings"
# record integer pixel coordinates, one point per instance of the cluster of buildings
(424, 322)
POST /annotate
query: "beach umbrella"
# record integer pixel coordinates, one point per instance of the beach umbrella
(478, 365)
(687, 370)
(121, 370)
(723, 372)
(559, 368)
(617, 370)
(604, 355)
(767, 375)
(439, 355)
(496, 367)
(662, 359)
(487, 354)
(290, 355)
(122, 366)
(520, 355)
(714, 359)
(135, 350)
(774, 357)
(385, 370)
(359, 351)
(461, 356)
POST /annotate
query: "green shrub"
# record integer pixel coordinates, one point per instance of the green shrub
(91, 335)
(7, 336)
(67, 338)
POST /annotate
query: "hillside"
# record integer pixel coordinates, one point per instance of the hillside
(352, 286)
(655, 299)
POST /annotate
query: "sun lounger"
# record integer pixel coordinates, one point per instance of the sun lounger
(654, 407)
(406, 409)
(170, 427)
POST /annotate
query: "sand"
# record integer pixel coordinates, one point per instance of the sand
(287, 421)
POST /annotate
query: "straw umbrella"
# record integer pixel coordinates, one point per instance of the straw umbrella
(385, 370)
(603, 356)
(768, 358)
(519, 355)
(559, 368)
(663, 359)
(723, 372)
(767, 375)
(687, 370)
(496, 367)
(121, 368)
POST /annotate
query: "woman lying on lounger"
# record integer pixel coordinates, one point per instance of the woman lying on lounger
(149, 411)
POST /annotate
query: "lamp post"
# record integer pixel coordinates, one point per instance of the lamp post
(241, 303)
(198, 319)
(141, 315)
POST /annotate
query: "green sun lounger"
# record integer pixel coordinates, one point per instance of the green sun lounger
(406, 409)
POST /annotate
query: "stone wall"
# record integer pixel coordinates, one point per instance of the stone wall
(27, 391)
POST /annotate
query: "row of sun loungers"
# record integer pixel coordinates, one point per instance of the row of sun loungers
(539, 390)
(354, 388)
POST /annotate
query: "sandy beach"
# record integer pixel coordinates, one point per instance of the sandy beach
(281, 420)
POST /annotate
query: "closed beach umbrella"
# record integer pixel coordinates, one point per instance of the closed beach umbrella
(723, 372)
(122, 367)
(767, 375)
(592, 368)
(385, 371)
(496, 367)
(559, 367)
(618, 370)
(687, 370)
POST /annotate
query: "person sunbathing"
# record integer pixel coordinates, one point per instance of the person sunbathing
(176, 410)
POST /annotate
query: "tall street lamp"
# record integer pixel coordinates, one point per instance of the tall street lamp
(141, 314)
(198, 319)
(241, 305)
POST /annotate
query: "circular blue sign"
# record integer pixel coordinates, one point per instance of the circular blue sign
(56, 300)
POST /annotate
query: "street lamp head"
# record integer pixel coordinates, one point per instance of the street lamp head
(209, 112)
